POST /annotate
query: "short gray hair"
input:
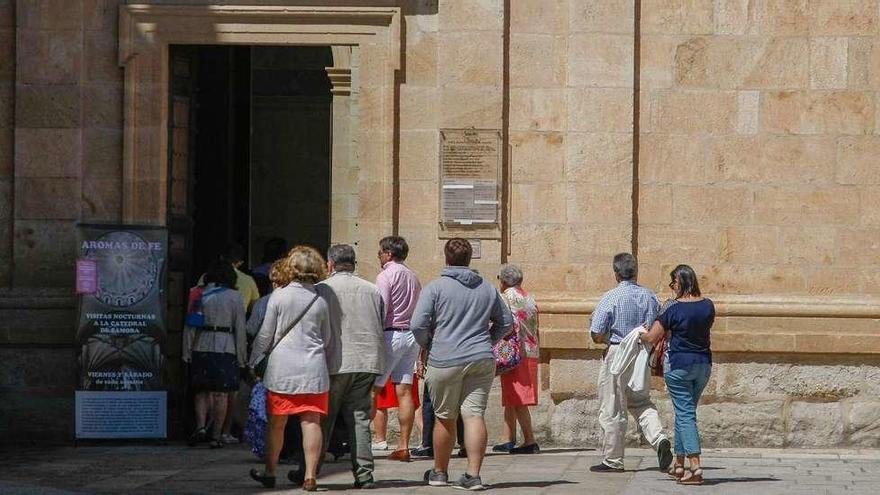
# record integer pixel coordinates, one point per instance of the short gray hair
(342, 256)
(625, 266)
(511, 275)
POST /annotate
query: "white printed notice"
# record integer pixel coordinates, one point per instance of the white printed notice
(121, 414)
(469, 171)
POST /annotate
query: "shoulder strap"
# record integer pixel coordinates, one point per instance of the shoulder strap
(290, 327)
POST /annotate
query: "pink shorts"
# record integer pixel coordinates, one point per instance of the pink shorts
(519, 386)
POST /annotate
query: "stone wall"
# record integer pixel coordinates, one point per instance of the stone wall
(759, 145)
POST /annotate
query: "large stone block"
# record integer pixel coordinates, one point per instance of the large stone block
(707, 205)
(592, 243)
(828, 205)
(809, 245)
(102, 153)
(863, 62)
(745, 244)
(538, 109)
(44, 252)
(530, 242)
(749, 279)
(854, 243)
(733, 17)
(48, 152)
(758, 423)
(769, 159)
(101, 200)
(870, 207)
(539, 16)
(864, 423)
(420, 200)
(538, 203)
(601, 16)
(655, 205)
(599, 158)
(665, 159)
(677, 16)
(574, 377)
(101, 57)
(600, 109)
(576, 422)
(419, 107)
(828, 112)
(600, 60)
(53, 106)
(828, 63)
(695, 112)
(419, 155)
(421, 58)
(845, 18)
(471, 15)
(784, 17)
(49, 14)
(857, 160)
(815, 424)
(537, 156)
(598, 204)
(657, 60)
(470, 58)
(676, 244)
(742, 63)
(470, 107)
(537, 60)
(49, 57)
(104, 107)
(47, 199)
(101, 15)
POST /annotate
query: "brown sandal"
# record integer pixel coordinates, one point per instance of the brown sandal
(676, 471)
(695, 478)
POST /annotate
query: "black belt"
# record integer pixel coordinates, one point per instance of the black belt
(209, 328)
(614, 343)
(393, 329)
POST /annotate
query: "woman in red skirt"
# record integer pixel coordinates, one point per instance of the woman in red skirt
(295, 331)
(519, 386)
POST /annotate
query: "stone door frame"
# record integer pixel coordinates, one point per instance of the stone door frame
(366, 46)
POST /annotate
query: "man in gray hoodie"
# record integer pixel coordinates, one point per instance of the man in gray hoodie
(451, 320)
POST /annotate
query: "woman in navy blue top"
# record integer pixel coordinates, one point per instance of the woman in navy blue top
(685, 322)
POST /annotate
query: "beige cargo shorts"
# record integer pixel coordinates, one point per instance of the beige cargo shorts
(460, 388)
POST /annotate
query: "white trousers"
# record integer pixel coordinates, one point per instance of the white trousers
(615, 399)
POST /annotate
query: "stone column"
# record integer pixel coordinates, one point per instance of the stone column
(344, 171)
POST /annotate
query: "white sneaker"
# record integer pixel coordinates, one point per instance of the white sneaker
(228, 439)
(380, 445)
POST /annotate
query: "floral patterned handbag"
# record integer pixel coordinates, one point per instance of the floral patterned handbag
(509, 350)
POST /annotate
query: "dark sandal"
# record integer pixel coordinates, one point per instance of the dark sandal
(216, 443)
(676, 471)
(695, 478)
(266, 481)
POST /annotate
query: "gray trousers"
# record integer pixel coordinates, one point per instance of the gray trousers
(350, 396)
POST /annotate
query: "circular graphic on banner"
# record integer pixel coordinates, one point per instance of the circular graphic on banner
(126, 274)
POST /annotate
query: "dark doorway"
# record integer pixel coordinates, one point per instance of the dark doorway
(249, 155)
(258, 148)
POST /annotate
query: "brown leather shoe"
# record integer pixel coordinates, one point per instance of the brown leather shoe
(310, 485)
(400, 455)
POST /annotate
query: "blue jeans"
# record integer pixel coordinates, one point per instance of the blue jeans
(685, 387)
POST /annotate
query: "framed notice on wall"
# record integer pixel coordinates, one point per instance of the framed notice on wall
(121, 332)
(470, 177)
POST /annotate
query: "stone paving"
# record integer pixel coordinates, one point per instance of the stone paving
(174, 468)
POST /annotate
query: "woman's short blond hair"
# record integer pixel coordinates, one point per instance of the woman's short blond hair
(305, 264)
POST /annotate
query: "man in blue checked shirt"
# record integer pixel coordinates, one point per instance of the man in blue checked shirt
(618, 313)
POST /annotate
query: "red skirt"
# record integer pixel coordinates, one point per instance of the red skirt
(290, 404)
(387, 398)
(519, 386)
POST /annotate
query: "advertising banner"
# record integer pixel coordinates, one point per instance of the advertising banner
(121, 333)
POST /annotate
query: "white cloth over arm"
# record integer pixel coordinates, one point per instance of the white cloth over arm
(632, 355)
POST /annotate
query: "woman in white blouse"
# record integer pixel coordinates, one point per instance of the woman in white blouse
(216, 351)
(296, 330)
